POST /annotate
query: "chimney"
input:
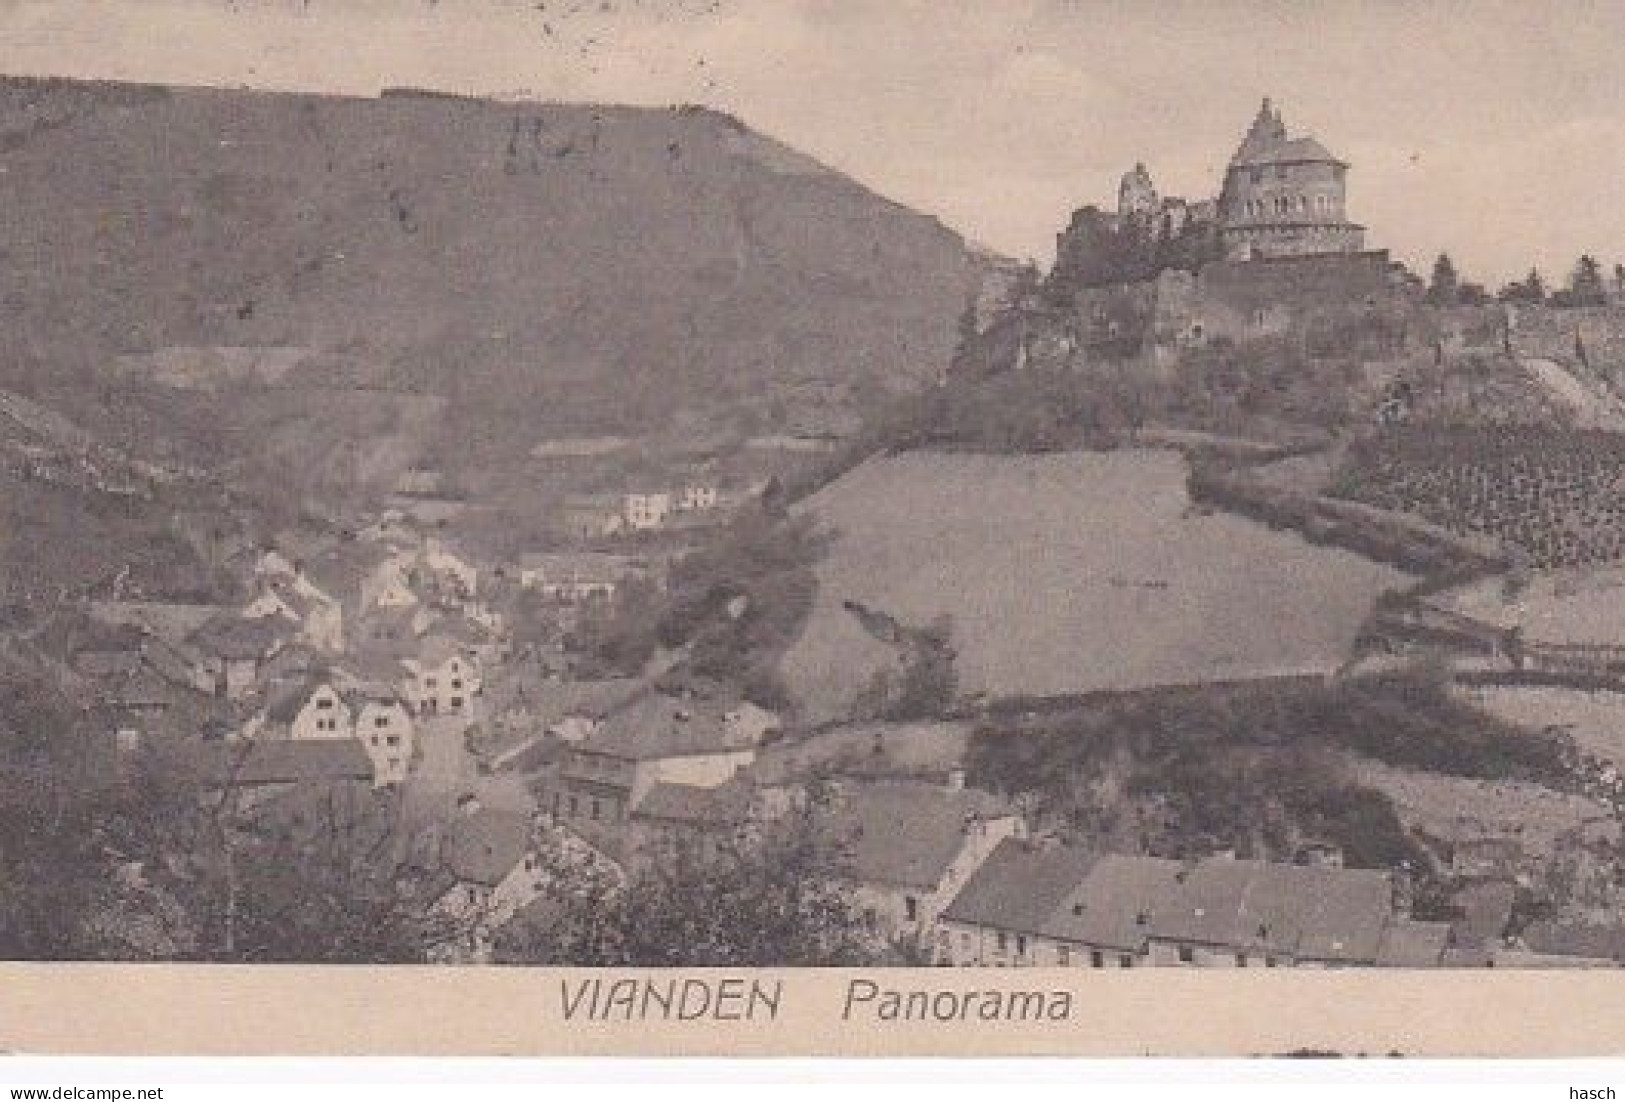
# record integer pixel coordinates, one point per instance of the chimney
(468, 803)
(956, 780)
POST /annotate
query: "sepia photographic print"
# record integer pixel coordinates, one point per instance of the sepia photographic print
(812, 525)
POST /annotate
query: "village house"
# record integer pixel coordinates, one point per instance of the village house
(703, 820)
(1003, 915)
(442, 677)
(449, 569)
(699, 497)
(647, 510)
(1234, 913)
(393, 631)
(478, 870)
(567, 710)
(235, 650)
(1054, 905)
(908, 847)
(253, 771)
(317, 618)
(385, 582)
(654, 739)
(136, 703)
(578, 577)
(590, 517)
(165, 632)
(309, 708)
(384, 727)
(391, 528)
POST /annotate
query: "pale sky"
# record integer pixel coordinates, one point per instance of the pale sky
(1494, 130)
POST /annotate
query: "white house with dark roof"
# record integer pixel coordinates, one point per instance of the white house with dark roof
(309, 708)
(385, 729)
(1062, 906)
(574, 577)
(442, 677)
(1000, 917)
(1234, 913)
(647, 510)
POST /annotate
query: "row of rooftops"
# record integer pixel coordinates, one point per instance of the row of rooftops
(1121, 902)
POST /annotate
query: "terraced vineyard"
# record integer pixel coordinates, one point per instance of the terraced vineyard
(1555, 495)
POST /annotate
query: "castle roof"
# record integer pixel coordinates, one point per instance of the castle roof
(1267, 143)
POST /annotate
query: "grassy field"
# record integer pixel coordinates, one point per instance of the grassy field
(1595, 720)
(1453, 807)
(1069, 573)
(1584, 605)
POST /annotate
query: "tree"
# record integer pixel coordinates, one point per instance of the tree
(1445, 286)
(1585, 283)
(1531, 289)
(320, 878)
(74, 824)
(771, 898)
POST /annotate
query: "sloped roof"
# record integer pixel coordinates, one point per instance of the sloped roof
(378, 670)
(286, 699)
(168, 621)
(484, 847)
(143, 687)
(1565, 939)
(552, 700)
(282, 761)
(1411, 944)
(435, 650)
(1303, 150)
(655, 725)
(1020, 885)
(1312, 912)
(107, 663)
(1116, 903)
(905, 833)
(726, 804)
(232, 636)
(339, 570)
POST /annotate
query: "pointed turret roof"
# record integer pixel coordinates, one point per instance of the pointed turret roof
(1266, 143)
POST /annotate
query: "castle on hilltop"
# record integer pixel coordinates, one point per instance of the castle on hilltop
(1284, 196)
(1281, 196)
(1273, 257)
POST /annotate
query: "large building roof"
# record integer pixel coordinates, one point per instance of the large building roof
(1307, 911)
(656, 725)
(1267, 143)
(234, 637)
(485, 846)
(1020, 885)
(722, 805)
(1303, 912)
(1114, 905)
(905, 833)
(281, 761)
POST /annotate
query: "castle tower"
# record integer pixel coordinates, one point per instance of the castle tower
(1284, 196)
(1136, 194)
